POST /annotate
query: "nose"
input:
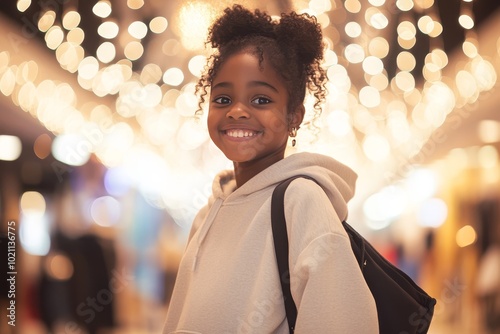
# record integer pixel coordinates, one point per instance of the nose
(238, 110)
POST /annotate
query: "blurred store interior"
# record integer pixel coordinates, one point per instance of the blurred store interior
(103, 164)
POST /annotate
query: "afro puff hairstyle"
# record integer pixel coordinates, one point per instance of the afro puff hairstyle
(293, 46)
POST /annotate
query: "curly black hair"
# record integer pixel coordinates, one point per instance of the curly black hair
(293, 45)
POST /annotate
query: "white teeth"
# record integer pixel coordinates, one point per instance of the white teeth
(240, 133)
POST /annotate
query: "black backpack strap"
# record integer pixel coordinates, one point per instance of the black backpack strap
(280, 237)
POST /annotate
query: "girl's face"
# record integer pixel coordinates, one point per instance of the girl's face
(247, 117)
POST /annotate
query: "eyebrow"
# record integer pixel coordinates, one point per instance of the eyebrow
(250, 84)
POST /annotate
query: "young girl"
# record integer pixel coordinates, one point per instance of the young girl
(228, 280)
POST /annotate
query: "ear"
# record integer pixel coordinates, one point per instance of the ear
(296, 117)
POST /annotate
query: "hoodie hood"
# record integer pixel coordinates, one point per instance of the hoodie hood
(337, 180)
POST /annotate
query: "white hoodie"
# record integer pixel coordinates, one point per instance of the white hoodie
(228, 279)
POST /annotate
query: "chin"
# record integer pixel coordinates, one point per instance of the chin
(239, 158)
(241, 153)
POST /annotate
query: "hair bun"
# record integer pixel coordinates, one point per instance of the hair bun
(303, 33)
(238, 22)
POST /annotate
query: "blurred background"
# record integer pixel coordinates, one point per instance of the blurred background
(103, 164)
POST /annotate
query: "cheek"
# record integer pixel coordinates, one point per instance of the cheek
(212, 123)
(278, 122)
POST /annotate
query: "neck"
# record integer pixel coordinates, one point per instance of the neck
(244, 171)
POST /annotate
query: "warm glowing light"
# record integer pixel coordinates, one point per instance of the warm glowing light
(424, 4)
(466, 236)
(437, 57)
(377, 3)
(422, 184)
(88, 68)
(354, 53)
(186, 103)
(102, 8)
(158, 24)
(138, 29)
(135, 4)
(28, 71)
(353, 29)
(437, 29)
(108, 30)
(151, 73)
(133, 50)
(376, 18)
(426, 24)
(352, 6)
(106, 52)
(378, 47)
(484, 73)
(320, 6)
(46, 20)
(331, 58)
(194, 21)
(373, 65)
(466, 21)
(406, 44)
(339, 78)
(384, 206)
(406, 61)
(11, 147)
(489, 131)
(76, 36)
(397, 122)
(376, 147)
(69, 56)
(32, 203)
(433, 213)
(469, 48)
(116, 145)
(405, 81)
(466, 85)
(406, 30)
(23, 5)
(404, 5)
(192, 134)
(369, 97)
(71, 20)
(488, 156)
(54, 37)
(440, 100)
(196, 65)
(72, 149)
(173, 76)
(339, 123)
(379, 81)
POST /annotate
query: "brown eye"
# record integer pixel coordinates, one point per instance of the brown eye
(261, 100)
(222, 100)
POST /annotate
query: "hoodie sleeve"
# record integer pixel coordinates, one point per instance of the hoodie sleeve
(327, 285)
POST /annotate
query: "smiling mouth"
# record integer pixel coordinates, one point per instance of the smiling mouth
(240, 133)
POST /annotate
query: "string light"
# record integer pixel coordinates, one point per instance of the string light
(384, 109)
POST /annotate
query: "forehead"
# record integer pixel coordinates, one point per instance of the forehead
(245, 67)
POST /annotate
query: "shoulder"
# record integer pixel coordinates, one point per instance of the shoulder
(304, 189)
(307, 206)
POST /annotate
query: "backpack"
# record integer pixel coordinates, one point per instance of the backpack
(402, 306)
